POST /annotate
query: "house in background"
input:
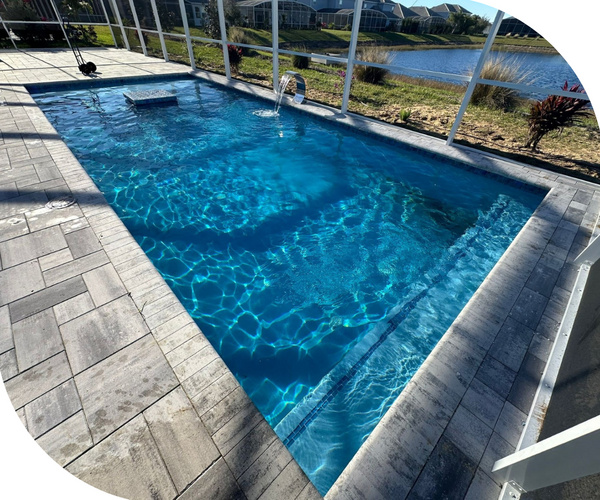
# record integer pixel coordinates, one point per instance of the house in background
(197, 9)
(430, 21)
(446, 9)
(515, 27)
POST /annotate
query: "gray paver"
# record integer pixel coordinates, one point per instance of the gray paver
(483, 402)
(101, 332)
(217, 483)
(250, 448)
(36, 338)
(13, 227)
(83, 242)
(52, 408)
(483, 488)
(116, 389)
(55, 259)
(74, 268)
(42, 378)
(309, 493)
(22, 204)
(183, 442)
(264, 470)
(6, 337)
(104, 284)
(289, 483)
(496, 449)
(448, 474)
(8, 365)
(529, 308)
(68, 440)
(468, 433)
(511, 423)
(46, 217)
(187, 349)
(20, 281)
(46, 298)
(73, 308)
(511, 344)
(526, 384)
(217, 391)
(130, 465)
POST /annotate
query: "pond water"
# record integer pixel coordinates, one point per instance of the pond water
(546, 70)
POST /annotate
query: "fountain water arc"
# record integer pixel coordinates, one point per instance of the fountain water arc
(300, 88)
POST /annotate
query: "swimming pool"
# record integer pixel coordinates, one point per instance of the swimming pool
(323, 266)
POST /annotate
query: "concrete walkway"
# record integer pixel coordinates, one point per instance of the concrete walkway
(103, 365)
(92, 376)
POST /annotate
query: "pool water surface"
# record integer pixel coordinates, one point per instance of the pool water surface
(322, 265)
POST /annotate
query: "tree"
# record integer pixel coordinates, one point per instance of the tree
(166, 17)
(212, 26)
(17, 10)
(233, 15)
(74, 7)
(467, 24)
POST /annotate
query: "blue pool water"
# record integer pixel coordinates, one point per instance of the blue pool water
(322, 265)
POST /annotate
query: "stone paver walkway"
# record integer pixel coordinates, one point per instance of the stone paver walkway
(100, 359)
(103, 365)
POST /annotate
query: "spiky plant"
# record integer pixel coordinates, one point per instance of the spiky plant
(555, 113)
(370, 74)
(501, 69)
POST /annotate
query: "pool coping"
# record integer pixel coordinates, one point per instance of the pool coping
(433, 426)
(386, 465)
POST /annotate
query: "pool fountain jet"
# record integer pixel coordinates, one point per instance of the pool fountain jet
(300, 88)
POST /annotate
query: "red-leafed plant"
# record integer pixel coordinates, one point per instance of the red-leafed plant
(235, 56)
(555, 113)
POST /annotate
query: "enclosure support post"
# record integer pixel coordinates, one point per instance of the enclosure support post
(358, 4)
(566, 456)
(476, 73)
(275, 43)
(8, 33)
(224, 38)
(59, 19)
(108, 23)
(138, 28)
(188, 40)
(159, 29)
(115, 9)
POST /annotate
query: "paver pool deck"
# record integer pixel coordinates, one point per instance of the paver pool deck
(114, 380)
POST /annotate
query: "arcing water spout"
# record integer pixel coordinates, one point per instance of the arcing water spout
(285, 80)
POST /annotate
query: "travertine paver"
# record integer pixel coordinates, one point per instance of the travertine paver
(113, 396)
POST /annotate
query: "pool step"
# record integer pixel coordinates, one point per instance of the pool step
(146, 97)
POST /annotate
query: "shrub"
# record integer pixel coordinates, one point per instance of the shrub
(331, 26)
(555, 113)
(300, 62)
(235, 56)
(369, 74)
(238, 35)
(502, 69)
(404, 115)
(348, 27)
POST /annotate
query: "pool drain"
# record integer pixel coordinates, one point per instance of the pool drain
(62, 202)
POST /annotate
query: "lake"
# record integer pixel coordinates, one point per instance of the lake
(547, 70)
